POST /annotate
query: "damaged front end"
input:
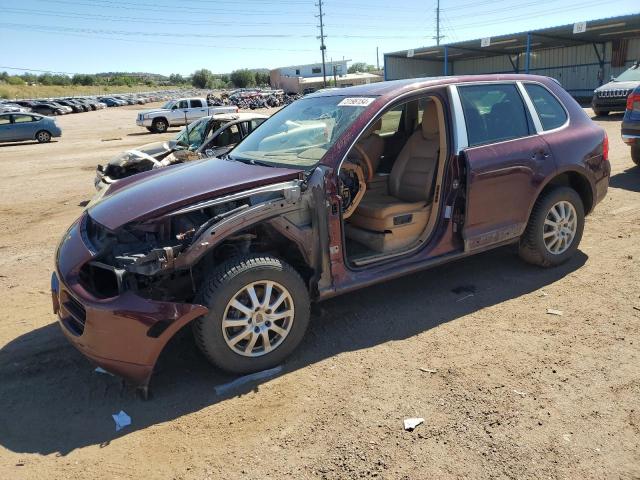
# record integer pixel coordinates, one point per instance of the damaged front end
(122, 293)
(133, 162)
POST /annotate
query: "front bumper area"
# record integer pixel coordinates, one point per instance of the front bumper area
(144, 122)
(124, 334)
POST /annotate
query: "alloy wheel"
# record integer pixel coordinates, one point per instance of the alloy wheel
(560, 226)
(258, 318)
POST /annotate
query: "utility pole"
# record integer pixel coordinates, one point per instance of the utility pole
(377, 60)
(323, 47)
(438, 36)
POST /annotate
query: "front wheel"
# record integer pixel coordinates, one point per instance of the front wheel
(258, 314)
(555, 228)
(43, 136)
(160, 125)
(635, 155)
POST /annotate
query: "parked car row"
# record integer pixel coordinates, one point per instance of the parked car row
(321, 200)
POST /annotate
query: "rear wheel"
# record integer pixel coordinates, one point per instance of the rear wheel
(160, 125)
(43, 136)
(555, 228)
(258, 314)
(635, 155)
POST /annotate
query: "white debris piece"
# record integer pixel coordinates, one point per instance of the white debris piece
(411, 423)
(122, 420)
(238, 382)
(428, 370)
(552, 311)
(102, 370)
(522, 394)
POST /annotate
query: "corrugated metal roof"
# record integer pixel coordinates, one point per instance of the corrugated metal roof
(597, 31)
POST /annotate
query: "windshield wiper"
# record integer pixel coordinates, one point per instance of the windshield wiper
(249, 161)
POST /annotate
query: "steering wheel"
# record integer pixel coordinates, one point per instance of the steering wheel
(367, 162)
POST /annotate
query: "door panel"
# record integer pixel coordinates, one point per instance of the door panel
(502, 181)
(5, 127)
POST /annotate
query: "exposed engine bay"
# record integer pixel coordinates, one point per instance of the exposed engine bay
(159, 258)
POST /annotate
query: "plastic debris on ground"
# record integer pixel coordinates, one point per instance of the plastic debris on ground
(427, 370)
(411, 423)
(238, 382)
(522, 394)
(552, 311)
(102, 370)
(122, 420)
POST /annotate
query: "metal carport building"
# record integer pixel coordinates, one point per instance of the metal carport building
(580, 56)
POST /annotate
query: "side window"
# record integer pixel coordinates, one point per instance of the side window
(552, 114)
(316, 70)
(5, 119)
(183, 104)
(493, 113)
(253, 124)
(391, 121)
(22, 118)
(228, 136)
(196, 103)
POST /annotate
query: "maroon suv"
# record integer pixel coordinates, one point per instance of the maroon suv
(339, 190)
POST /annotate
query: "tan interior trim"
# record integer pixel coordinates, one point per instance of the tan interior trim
(435, 206)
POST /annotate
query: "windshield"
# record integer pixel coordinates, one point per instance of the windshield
(169, 104)
(197, 133)
(300, 134)
(631, 75)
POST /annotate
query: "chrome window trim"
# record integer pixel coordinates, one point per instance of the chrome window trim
(531, 107)
(567, 121)
(460, 138)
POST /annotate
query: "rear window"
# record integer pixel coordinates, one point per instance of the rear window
(493, 113)
(552, 114)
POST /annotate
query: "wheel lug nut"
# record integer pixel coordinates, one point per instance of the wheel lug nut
(257, 329)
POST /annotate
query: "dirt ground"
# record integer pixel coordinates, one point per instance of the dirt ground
(514, 392)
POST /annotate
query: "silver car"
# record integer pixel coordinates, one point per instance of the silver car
(16, 127)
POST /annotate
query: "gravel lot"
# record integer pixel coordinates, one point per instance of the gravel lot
(515, 392)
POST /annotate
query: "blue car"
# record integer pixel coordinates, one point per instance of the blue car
(16, 127)
(631, 124)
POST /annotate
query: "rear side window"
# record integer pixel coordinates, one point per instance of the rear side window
(552, 114)
(196, 104)
(493, 113)
(22, 118)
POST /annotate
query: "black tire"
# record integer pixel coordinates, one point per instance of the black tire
(218, 290)
(532, 248)
(150, 129)
(160, 125)
(600, 113)
(43, 136)
(635, 155)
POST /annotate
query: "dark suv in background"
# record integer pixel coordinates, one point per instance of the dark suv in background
(612, 96)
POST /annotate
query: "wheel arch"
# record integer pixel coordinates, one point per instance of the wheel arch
(574, 179)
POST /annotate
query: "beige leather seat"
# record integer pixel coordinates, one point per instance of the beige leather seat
(373, 144)
(394, 220)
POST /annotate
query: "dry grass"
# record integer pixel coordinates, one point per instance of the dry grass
(46, 91)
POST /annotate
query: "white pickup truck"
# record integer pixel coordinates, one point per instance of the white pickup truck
(178, 113)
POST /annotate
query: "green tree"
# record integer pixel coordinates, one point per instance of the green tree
(262, 78)
(243, 78)
(200, 78)
(360, 67)
(176, 79)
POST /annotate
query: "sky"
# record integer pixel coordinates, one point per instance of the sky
(180, 36)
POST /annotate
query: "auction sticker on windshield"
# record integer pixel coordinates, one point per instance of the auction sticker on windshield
(356, 102)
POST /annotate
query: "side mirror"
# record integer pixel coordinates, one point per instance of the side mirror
(209, 153)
